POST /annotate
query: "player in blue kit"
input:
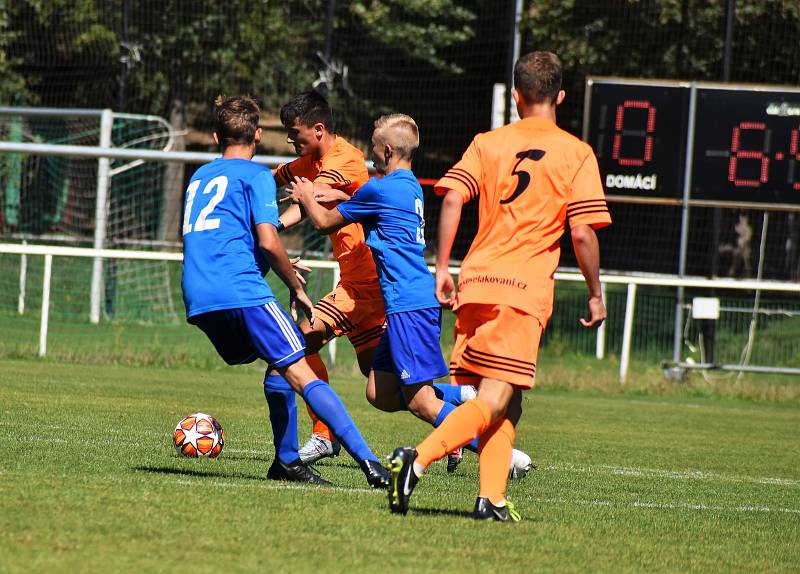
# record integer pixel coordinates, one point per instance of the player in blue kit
(390, 208)
(230, 243)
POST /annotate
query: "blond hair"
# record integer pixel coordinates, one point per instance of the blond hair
(400, 131)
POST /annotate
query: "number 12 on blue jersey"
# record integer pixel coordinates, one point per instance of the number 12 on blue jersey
(203, 223)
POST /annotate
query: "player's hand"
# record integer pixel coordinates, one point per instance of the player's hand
(445, 288)
(298, 188)
(299, 269)
(597, 313)
(299, 298)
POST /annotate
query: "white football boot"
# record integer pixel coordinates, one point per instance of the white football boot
(317, 447)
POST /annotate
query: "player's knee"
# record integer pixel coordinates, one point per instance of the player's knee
(497, 407)
(424, 404)
(381, 403)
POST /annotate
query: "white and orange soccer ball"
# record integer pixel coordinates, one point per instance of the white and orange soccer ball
(198, 435)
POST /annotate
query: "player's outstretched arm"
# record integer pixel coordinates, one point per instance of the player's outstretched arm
(279, 261)
(449, 219)
(587, 252)
(328, 195)
(291, 217)
(325, 220)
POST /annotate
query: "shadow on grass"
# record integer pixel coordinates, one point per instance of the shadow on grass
(168, 470)
(461, 514)
(440, 512)
(265, 459)
(195, 473)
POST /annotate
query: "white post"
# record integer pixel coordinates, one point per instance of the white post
(625, 357)
(48, 268)
(23, 279)
(101, 214)
(600, 350)
(332, 344)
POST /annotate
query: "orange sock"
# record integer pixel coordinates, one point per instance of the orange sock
(494, 449)
(458, 429)
(318, 366)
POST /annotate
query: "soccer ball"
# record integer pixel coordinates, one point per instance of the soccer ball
(198, 435)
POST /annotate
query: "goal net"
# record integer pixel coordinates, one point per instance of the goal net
(54, 200)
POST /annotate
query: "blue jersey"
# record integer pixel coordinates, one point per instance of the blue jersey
(223, 267)
(391, 211)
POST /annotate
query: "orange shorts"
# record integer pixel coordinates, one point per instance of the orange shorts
(355, 310)
(495, 342)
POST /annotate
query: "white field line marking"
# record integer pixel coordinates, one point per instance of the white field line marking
(671, 474)
(116, 439)
(673, 506)
(248, 451)
(699, 475)
(278, 486)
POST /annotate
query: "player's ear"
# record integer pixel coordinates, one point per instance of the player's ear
(319, 129)
(515, 95)
(257, 136)
(216, 138)
(560, 97)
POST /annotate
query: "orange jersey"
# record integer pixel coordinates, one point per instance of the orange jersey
(341, 167)
(529, 176)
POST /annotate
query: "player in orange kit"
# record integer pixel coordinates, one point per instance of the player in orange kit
(355, 307)
(529, 177)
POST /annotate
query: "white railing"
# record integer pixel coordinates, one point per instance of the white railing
(104, 153)
(632, 282)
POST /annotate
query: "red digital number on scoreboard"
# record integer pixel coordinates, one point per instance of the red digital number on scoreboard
(647, 133)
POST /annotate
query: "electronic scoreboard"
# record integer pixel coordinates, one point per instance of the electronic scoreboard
(719, 144)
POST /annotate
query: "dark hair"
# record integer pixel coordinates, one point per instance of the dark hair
(237, 120)
(308, 108)
(537, 77)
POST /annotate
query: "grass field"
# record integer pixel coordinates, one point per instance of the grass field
(626, 481)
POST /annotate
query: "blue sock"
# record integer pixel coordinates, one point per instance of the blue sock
(282, 417)
(327, 405)
(448, 393)
(447, 408)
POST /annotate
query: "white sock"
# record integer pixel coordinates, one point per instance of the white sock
(468, 393)
(418, 469)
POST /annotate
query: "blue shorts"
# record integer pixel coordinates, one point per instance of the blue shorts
(245, 334)
(410, 348)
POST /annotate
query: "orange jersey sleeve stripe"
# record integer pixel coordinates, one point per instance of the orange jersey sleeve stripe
(283, 175)
(459, 180)
(334, 179)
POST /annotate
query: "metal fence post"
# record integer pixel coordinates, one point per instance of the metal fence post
(627, 334)
(101, 213)
(48, 269)
(600, 349)
(677, 335)
(23, 281)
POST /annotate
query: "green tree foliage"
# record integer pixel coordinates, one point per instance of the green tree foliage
(670, 39)
(149, 53)
(389, 44)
